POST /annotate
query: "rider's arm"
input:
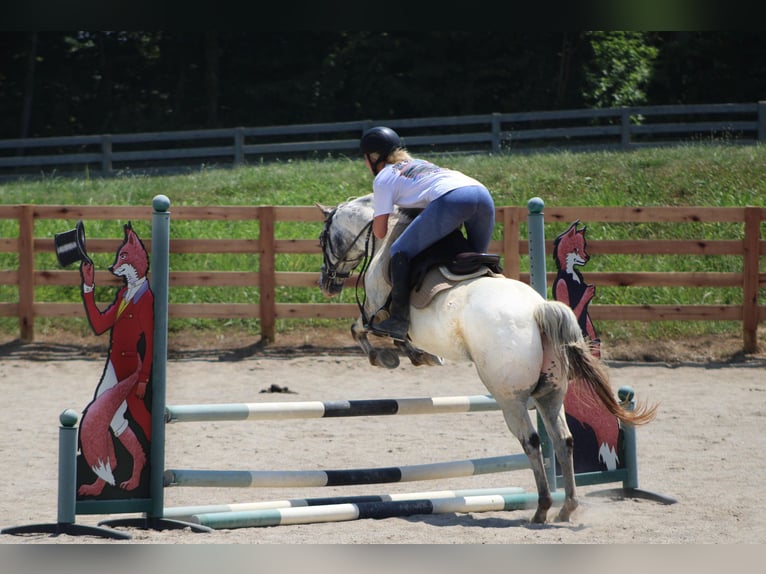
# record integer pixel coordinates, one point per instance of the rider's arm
(380, 225)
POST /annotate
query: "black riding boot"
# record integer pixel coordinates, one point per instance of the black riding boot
(398, 322)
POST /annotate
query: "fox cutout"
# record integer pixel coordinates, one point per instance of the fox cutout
(118, 413)
(595, 431)
(569, 251)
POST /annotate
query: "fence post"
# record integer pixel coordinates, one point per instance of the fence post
(26, 273)
(750, 266)
(625, 128)
(239, 146)
(511, 248)
(266, 272)
(106, 154)
(762, 121)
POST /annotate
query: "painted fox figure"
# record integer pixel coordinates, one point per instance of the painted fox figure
(569, 251)
(118, 411)
(595, 431)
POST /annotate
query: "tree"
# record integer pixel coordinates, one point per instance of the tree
(619, 70)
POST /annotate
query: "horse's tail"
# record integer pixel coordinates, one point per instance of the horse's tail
(559, 324)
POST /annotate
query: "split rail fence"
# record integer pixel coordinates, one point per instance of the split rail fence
(747, 244)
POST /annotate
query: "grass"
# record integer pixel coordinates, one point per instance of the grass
(692, 175)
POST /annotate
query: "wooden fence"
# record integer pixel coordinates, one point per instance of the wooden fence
(748, 245)
(622, 128)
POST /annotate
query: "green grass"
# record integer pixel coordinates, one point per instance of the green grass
(694, 175)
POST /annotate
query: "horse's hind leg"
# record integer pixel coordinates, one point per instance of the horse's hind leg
(551, 410)
(418, 357)
(518, 421)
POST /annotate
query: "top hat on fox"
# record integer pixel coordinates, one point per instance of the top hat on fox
(70, 246)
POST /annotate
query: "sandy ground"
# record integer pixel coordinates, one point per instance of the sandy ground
(706, 449)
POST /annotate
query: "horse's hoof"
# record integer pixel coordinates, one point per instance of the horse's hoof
(566, 511)
(540, 516)
(434, 360)
(388, 358)
(385, 358)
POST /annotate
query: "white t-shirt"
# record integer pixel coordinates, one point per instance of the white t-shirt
(414, 183)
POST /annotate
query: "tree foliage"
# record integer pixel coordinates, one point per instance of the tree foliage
(89, 82)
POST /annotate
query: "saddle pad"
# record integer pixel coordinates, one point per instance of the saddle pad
(437, 280)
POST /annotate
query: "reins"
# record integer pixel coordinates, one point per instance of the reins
(325, 240)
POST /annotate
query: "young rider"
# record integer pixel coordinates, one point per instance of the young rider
(449, 199)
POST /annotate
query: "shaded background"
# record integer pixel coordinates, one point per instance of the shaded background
(91, 82)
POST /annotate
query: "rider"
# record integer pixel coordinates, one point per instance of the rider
(449, 198)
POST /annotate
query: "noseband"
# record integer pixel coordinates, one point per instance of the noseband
(325, 241)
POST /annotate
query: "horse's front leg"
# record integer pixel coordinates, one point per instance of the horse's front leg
(417, 356)
(385, 358)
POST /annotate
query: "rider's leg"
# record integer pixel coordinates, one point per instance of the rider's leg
(438, 219)
(398, 322)
(478, 209)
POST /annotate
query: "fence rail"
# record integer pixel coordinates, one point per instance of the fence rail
(615, 128)
(749, 246)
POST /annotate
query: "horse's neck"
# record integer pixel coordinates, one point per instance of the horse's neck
(377, 283)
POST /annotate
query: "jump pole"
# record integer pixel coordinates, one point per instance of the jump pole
(329, 409)
(372, 509)
(188, 512)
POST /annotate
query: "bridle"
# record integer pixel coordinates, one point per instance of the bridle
(328, 248)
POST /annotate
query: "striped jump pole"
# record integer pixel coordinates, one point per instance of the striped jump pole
(372, 509)
(346, 477)
(186, 512)
(330, 409)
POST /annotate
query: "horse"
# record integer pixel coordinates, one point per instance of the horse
(525, 348)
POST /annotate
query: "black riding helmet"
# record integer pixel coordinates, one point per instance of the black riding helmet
(380, 140)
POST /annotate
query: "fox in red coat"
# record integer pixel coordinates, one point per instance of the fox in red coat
(595, 430)
(119, 403)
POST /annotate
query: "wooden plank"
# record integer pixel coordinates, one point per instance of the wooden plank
(307, 279)
(665, 312)
(213, 311)
(75, 310)
(234, 246)
(316, 311)
(662, 247)
(662, 279)
(216, 212)
(298, 213)
(214, 279)
(9, 310)
(297, 245)
(9, 277)
(645, 214)
(85, 212)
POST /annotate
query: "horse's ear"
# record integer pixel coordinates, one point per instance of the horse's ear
(324, 209)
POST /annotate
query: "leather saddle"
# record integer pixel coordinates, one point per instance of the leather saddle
(454, 254)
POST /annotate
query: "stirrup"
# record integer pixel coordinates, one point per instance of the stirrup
(393, 332)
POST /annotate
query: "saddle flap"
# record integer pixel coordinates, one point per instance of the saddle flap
(468, 263)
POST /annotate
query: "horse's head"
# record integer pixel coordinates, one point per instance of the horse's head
(344, 242)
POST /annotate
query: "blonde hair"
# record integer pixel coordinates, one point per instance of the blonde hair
(399, 154)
